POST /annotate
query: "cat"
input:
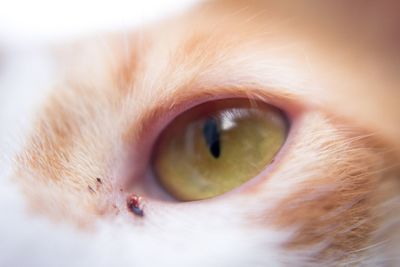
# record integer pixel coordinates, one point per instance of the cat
(79, 120)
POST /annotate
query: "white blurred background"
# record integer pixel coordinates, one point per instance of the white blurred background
(38, 21)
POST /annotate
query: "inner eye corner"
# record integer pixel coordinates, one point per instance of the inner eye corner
(217, 146)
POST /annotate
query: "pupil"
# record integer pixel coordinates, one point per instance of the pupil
(211, 136)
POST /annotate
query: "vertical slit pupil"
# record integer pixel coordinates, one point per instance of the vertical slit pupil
(212, 136)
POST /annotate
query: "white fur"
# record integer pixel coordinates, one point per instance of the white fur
(173, 239)
(198, 235)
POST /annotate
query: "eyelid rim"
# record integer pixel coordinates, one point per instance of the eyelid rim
(140, 149)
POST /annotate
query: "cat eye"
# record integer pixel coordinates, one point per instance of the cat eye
(217, 146)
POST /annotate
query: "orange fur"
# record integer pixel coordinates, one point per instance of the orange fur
(338, 159)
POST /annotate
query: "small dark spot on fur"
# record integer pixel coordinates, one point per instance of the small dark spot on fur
(135, 205)
(91, 189)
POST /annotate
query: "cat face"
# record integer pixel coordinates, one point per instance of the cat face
(329, 197)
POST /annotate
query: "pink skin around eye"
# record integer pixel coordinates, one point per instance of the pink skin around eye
(141, 180)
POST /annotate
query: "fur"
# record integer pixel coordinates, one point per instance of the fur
(98, 105)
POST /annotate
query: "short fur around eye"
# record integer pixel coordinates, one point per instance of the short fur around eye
(330, 199)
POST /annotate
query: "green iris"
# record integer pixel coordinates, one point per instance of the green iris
(217, 146)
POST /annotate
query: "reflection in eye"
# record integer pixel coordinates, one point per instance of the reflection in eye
(217, 146)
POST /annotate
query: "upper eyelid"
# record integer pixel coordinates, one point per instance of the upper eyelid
(168, 108)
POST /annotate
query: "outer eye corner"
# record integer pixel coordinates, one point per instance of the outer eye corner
(217, 146)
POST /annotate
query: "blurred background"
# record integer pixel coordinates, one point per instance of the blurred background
(26, 22)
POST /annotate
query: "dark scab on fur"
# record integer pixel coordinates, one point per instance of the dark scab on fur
(135, 205)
